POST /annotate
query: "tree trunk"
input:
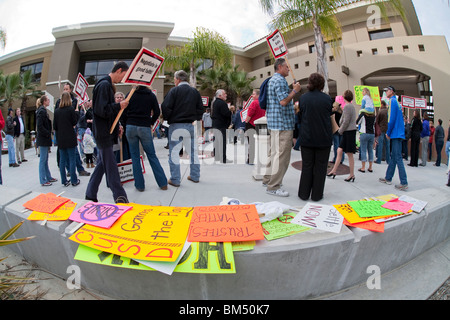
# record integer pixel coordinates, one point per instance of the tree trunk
(322, 66)
(192, 76)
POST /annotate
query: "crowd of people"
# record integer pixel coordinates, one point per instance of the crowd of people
(85, 132)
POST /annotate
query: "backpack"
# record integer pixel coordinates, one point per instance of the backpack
(263, 93)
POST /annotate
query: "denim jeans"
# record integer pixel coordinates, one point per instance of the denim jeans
(68, 160)
(44, 172)
(396, 161)
(11, 150)
(337, 138)
(383, 142)
(366, 147)
(447, 151)
(136, 134)
(80, 135)
(439, 146)
(178, 133)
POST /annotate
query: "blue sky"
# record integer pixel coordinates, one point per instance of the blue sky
(29, 23)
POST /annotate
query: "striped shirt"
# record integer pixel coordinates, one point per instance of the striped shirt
(279, 117)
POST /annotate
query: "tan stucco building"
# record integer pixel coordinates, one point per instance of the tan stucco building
(392, 53)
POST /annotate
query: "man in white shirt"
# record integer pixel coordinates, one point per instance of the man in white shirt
(19, 134)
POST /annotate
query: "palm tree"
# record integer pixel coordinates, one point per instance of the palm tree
(27, 86)
(10, 88)
(205, 45)
(320, 15)
(238, 84)
(2, 38)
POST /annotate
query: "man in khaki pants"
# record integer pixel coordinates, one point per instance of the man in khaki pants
(19, 134)
(281, 123)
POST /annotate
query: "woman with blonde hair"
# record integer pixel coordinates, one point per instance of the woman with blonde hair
(44, 140)
(64, 124)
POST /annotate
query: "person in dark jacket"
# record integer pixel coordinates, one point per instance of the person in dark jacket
(140, 116)
(105, 112)
(181, 107)
(64, 122)
(416, 129)
(44, 140)
(19, 134)
(221, 120)
(315, 138)
(2, 125)
(9, 130)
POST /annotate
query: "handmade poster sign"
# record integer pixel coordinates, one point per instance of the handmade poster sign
(368, 225)
(226, 223)
(214, 258)
(102, 215)
(282, 227)
(418, 205)
(370, 208)
(144, 233)
(45, 202)
(144, 68)
(322, 217)
(61, 214)
(244, 111)
(398, 205)
(126, 170)
(277, 44)
(374, 93)
(81, 86)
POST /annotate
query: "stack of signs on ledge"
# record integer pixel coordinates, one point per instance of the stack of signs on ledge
(102, 215)
(282, 227)
(45, 203)
(322, 217)
(61, 214)
(149, 233)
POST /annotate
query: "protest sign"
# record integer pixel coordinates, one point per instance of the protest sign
(370, 208)
(102, 215)
(145, 233)
(418, 205)
(398, 205)
(413, 103)
(282, 227)
(45, 202)
(61, 214)
(244, 110)
(205, 101)
(322, 217)
(277, 44)
(142, 72)
(81, 86)
(374, 94)
(126, 170)
(225, 224)
(214, 258)
(370, 225)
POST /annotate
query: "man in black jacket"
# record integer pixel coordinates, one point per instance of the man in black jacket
(105, 112)
(221, 119)
(181, 107)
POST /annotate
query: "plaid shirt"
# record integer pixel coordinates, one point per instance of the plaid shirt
(279, 117)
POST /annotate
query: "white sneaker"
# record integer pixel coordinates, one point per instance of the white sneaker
(279, 192)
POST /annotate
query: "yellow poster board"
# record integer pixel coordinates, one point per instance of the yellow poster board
(150, 233)
(374, 93)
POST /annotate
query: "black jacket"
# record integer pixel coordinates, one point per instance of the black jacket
(183, 104)
(220, 114)
(143, 110)
(105, 110)
(43, 128)
(64, 121)
(315, 119)
(17, 127)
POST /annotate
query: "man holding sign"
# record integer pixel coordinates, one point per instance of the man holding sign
(105, 111)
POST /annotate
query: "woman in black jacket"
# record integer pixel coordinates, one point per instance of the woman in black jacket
(44, 140)
(416, 129)
(64, 124)
(315, 138)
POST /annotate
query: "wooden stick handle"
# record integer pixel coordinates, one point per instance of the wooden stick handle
(290, 68)
(121, 111)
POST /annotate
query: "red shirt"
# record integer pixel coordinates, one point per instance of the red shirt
(2, 123)
(255, 112)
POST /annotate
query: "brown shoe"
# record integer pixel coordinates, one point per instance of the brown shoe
(173, 184)
(164, 188)
(189, 178)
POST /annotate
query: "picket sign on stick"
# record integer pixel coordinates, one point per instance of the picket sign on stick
(279, 48)
(142, 72)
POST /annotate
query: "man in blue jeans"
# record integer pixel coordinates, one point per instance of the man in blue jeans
(181, 107)
(396, 134)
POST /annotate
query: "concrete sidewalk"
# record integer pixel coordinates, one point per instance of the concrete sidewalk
(234, 180)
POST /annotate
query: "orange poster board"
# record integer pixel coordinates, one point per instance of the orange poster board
(227, 223)
(45, 202)
(369, 225)
(149, 233)
(61, 214)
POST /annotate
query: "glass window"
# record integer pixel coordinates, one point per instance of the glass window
(381, 34)
(94, 70)
(36, 70)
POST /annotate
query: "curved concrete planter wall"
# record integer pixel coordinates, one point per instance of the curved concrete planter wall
(306, 265)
